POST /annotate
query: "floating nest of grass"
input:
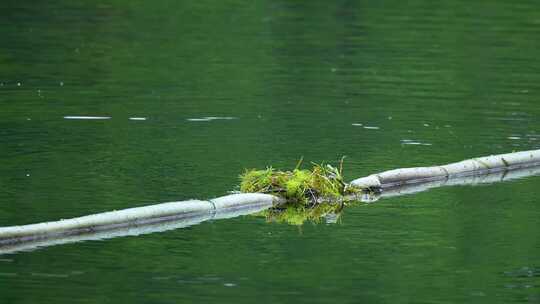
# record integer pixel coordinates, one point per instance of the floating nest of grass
(323, 182)
(309, 194)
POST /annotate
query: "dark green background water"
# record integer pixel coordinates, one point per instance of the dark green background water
(460, 77)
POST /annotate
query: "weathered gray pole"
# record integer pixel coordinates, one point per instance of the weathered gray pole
(172, 215)
(474, 166)
(31, 242)
(470, 180)
(165, 212)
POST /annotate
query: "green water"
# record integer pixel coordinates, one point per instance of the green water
(441, 82)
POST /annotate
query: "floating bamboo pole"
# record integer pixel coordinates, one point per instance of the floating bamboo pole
(248, 206)
(163, 224)
(172, 215)
(471, 180)
(141, 216)
(474, 166)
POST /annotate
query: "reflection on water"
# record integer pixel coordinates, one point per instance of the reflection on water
(210, 118)
(87, 117)
(413, 142)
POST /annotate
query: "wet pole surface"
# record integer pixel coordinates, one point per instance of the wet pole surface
(166, 216)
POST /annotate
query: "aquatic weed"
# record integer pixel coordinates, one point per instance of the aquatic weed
(323, 182)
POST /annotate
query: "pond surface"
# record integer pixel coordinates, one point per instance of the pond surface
(192, 93)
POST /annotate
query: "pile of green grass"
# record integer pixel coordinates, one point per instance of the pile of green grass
(323, 183)
(310, 195)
